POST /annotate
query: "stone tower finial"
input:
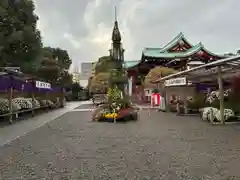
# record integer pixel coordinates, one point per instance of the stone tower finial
(115, 13)
(116, 35)
(116, 51)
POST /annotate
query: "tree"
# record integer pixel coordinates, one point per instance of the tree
(64, 61)
(49, 69)
(52, 69)
(104, 64)
(157, 73)
(65, 79)
(20, 41)
(76, 87)
(99, 82)
(238, 52)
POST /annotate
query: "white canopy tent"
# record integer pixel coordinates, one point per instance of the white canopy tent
(223, 67)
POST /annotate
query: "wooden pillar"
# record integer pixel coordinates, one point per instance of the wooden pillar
(10, 93)
(32, 95)
(221, 94)
(185, 97)
(162, 106)
(185, 102)
(166, 98)
(178, 107)
(62, 98)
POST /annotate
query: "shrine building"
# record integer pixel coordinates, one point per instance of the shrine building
(179, 54)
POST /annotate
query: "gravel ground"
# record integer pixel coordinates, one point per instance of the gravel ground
(161, 147)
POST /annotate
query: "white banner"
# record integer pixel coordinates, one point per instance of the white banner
(43, 85)
(176, 82)
(130, 86)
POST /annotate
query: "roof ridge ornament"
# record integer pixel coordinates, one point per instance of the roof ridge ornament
(181, 34)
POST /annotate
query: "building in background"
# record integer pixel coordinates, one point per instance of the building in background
(86, 70)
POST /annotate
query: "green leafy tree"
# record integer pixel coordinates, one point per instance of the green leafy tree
(65, 79)
(99, 82)
(52, 69)
(104, 64)
(62, 56)
(49, 69)
(20, 41)
(155, 74)
(76, 90)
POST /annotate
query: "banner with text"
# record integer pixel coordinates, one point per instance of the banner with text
(43, 85)
(176, 82)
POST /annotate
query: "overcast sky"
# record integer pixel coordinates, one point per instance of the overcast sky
(83, 27)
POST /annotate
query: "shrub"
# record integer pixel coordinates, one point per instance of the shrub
(197, 102)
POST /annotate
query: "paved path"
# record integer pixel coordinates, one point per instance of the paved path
(158, 146)
(13, 131)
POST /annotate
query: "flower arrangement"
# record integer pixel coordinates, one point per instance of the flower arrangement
(116, 107)
(111, 115)
(21, 103)
(211, 114)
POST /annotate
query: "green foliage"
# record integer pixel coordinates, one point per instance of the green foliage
(52, 67)
(116, 74)
(124, 103)
(76, 89)
(197, 102)
(20, 41)
(116, 100)
(155, 91)
(157, 73)
(104, 64)
(49, 70)
(21, 45)
(114, 94)
(65, 79)
(99, 82)
(63, 59)
(117, 77)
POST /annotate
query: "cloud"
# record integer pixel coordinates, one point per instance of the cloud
(84, 27)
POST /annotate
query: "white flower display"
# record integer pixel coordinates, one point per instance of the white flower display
(49, 103)
(227, 114)
(214, 95)
(23, 103)
(42, 102)
(17, 105)
(34, 102)
(211, 114)
(3, 106)
(208, 113)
